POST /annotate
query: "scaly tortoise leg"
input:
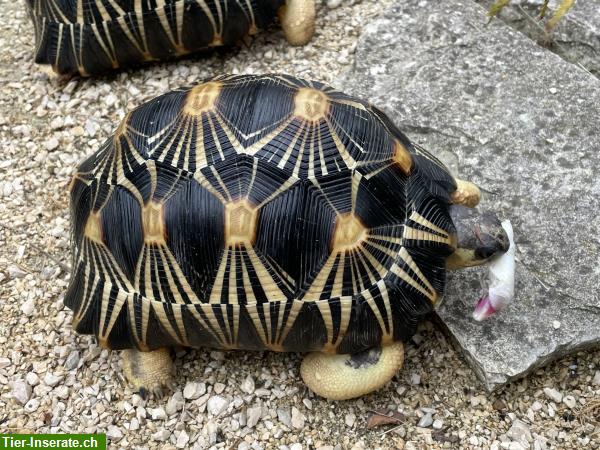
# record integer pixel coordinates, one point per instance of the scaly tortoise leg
(466, 194)
(342, 377)
(149, 372)
(297, 19)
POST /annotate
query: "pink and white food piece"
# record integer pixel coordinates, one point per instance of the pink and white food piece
(501, 290)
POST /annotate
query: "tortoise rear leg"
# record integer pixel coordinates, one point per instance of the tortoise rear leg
(297, 19)
(341, 377)
(149, 372)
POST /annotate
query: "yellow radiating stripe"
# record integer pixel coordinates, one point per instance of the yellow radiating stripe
(371, 302)
(233, 277)
(348, 160)
(210, 314)
(284, 187)
(290, 148)
(215, 137)
(318, 284)
(220, 181)
(181, 277)
(118, 305)
(416, 217)
(239, 148)
(300, 156)
(252, 309)
(268, 284)
(163, 319)
(254, 148)
(205, 325)
(291, 319)
(430, 291)
(388, 251)
(338, 282)
(325, 310)
(381, 270)
(217, 289)
(364, 263)
(202, 181)
(324, 170)
(382, 237)
(421, 235)
(356, 179)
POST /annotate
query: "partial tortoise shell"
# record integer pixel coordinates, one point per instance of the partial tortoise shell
(258, 212)
(89, 37)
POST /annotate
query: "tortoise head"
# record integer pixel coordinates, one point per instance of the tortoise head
(480, 237)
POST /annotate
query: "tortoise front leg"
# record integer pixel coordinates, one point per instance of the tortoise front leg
(297, 19)
(149, 371)
(466, 194)
(341, 377)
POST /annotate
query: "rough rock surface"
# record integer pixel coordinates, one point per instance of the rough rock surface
(576, 38)
(522, 123)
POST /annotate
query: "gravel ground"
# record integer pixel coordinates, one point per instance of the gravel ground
(52, 380)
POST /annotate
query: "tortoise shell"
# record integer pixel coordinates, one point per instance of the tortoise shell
(258, 212)
(94, 36)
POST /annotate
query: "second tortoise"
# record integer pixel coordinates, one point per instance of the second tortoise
(90, 37)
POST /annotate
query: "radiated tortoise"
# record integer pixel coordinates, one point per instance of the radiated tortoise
(267, 212)
(89, 37)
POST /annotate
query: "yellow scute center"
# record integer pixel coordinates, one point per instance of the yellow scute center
(311, 104)
(202, 98)
(240, 222)
(349, 232)
(93, 227)
(153, 222)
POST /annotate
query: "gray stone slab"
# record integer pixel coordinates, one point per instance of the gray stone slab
(522, 123)
(575, 39)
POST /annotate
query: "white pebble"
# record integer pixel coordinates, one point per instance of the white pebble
(51, 144)
(415, 378)
(182, 440)
(32, 379)
(297, 418)
(32, 405)
(175, 403)
(62, 392)
(157, 413)
(134, 424)
(72, 360)
(194, 390)
(114, 433)
(536, 406)
(57, 123)
(5, 362)
(425, 421)
(253, 415)
(596, 380)
(161, 435)
(28, 307)
(51, 380)
(350, 419)
(570, 401)
(248, 385)
(553, 394)
(556, 324)
(437, 424)
(21, 391)
(216, 405)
